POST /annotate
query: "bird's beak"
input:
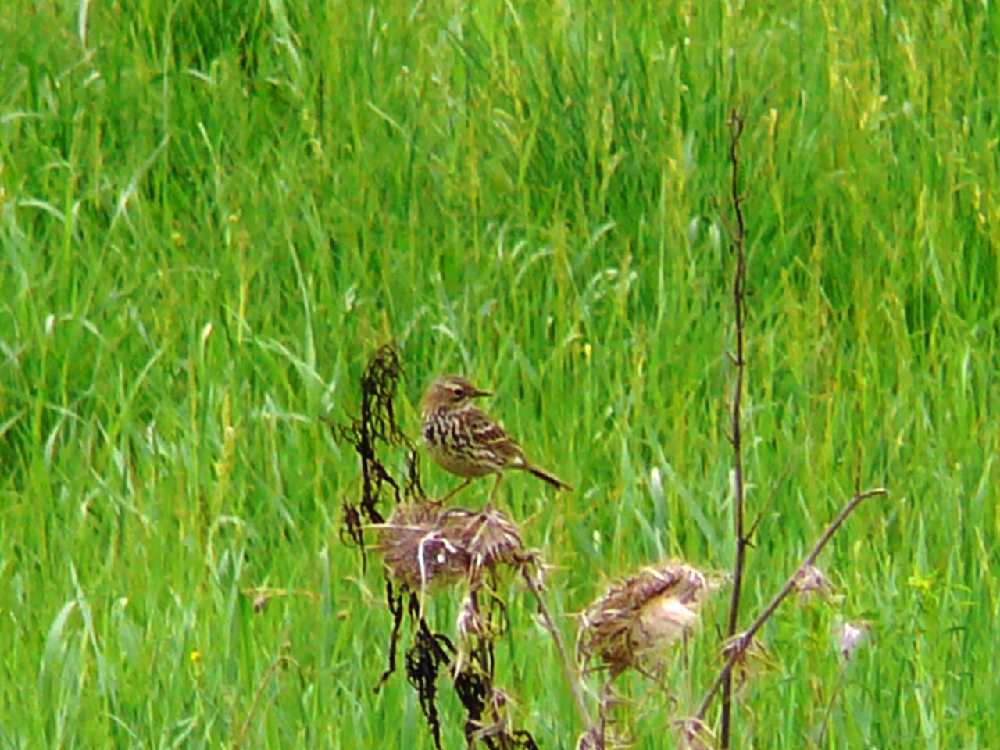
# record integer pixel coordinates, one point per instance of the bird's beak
(481, 394)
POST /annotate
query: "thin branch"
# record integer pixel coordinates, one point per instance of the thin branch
(279, 660)
(745, 639)
(829, 706)
(262, 595)
(570, 672)
(737, 235)
(762, 511)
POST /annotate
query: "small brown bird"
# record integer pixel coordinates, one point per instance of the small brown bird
(464, 441)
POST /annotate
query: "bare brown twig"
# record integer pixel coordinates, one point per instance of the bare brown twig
(572, 676)
(737, 234)
(279, 660)
(743, 641)
(262, 595)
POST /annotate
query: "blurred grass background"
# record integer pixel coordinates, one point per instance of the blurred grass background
(211, 213)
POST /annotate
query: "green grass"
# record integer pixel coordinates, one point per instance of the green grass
(212, 213)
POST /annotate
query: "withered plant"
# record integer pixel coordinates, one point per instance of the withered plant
(424, 548)
(741, 646)
(636, 619)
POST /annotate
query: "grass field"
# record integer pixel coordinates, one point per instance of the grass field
(212, 213)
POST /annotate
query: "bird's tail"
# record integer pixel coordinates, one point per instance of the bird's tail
(550, 478)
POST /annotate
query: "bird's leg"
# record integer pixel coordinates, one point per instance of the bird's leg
(455, 491)
(493, 492)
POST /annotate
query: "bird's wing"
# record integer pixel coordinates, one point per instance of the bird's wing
(487, 432)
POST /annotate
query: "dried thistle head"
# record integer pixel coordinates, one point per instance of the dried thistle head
(470, 623)
(592, 739)
(421, 544)
(602, 738)
(415, 551)
(810, 580)
(851, 636)
(482, 620)
(636, 619)
(751, 659)
(489, 537)
(693, 734)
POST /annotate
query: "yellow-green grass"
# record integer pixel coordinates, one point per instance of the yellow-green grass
(212, 213)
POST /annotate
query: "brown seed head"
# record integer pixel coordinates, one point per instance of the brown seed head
(811, 580)
(637, 618)
(423, 545)
(416, 552)
(851, 636)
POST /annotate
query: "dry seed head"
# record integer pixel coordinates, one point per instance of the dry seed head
(415, 551)
(637, 618)
(693, 734)
(665, 620)
(602, 738)
(490, 537)
(851, 636)
(751, 659)
(811, 580)
(469, 623)
(423, 545)
(590, 740)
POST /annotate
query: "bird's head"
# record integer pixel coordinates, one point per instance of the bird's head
(450, 392)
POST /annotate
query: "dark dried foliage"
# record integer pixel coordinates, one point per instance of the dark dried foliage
(424, 661)
(376, 424)
(395, 600)
(423, 544)
(485, 705)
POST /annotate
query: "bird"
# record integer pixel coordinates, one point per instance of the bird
(465, 442)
